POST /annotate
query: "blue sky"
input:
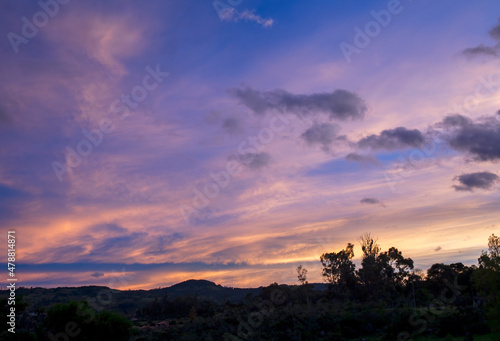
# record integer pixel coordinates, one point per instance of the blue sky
(170, 140)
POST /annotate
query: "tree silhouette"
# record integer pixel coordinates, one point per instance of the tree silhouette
(302, 275)
(491, 259)
(338, 268)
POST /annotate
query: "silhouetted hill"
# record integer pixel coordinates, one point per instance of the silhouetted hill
(209, 290)
(128, 301)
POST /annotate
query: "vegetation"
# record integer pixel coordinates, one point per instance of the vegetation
(385, 299)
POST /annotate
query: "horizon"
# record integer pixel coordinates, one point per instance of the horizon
(232, 141)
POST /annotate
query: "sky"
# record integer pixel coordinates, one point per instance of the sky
(147, 143)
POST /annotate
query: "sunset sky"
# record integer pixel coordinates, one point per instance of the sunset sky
(144, 143)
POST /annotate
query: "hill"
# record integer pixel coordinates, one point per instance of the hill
(129, 301)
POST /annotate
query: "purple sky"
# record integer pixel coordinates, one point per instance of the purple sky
(147, 143)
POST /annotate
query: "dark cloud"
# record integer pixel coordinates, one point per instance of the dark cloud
(323, 134)
(495, 32)
(455, 120)
(438, 249)
(479, 139)
(393, 139)
(340, 104)
(482, 50)
(232, 125)
(470, 181)
(371, 201)
(361, 158)
(255, 161)
(98, 274)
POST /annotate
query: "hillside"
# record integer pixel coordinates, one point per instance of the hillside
(129, 301)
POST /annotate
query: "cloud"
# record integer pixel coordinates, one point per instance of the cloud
(247, 15)
(438, 249)
(480, 139)
(107, 38)
(495, 32)
(255, 161)
(455, 120)
(371, 201)
(340, 104)
(98, 274)
(232, 125)
(323, 134)
(482, 50)
(472, 52)
(481, 180)
(364, 159)
(393, 139)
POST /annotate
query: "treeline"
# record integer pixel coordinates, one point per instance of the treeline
(385, 299)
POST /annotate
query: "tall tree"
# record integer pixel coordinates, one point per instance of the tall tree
(338, 268)
(487, 280)
(383, 274)
(370, 270)
(491, 259)
(398, 266)
(302, 275)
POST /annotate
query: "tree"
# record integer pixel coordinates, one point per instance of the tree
(491, 259)
(382, 273)
(487, 280)
(302, 275)
(80, 322)
(369, 246)
(370, 270)
(399, 267)
(338, 268)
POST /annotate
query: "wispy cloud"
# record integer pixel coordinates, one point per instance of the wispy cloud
(247, 15)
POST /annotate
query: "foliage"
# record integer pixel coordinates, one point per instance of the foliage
(338, 268)
(386, 299)
(80, 322)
